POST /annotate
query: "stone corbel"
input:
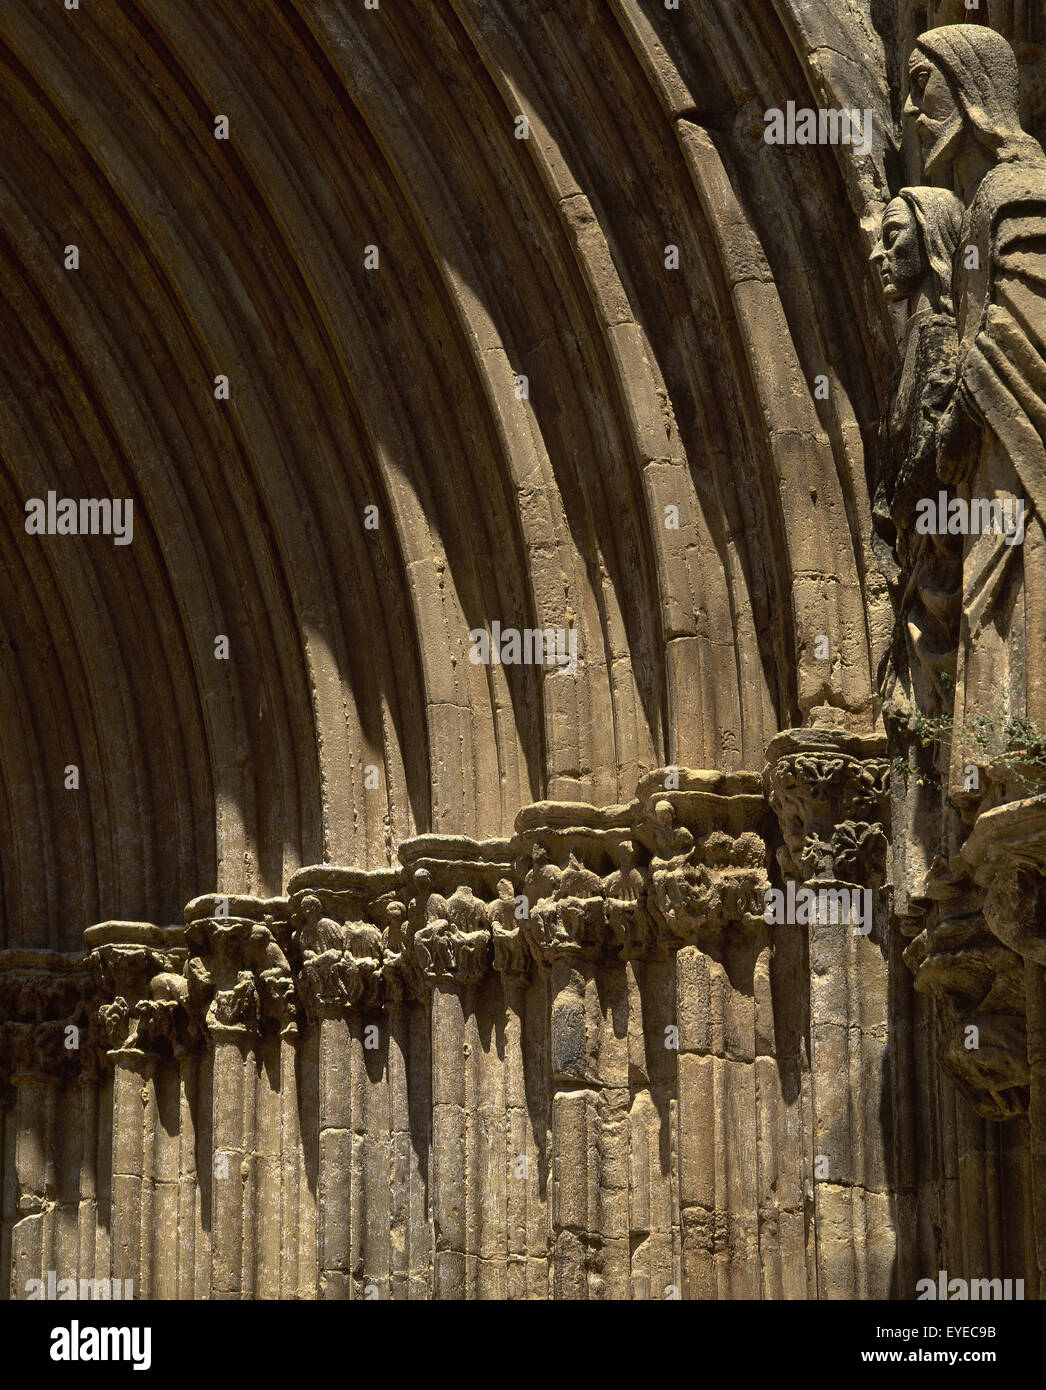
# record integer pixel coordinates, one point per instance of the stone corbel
(1006, 852)
(1006, 856)
(977, 984)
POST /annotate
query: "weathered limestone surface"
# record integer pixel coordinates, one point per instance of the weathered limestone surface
(420, 331)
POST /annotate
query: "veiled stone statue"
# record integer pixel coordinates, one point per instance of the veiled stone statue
(915, 250)
(965, 100)
(914, 254)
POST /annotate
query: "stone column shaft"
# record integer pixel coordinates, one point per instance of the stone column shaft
(133, 1070)
(335, 1155)
(449, 1150)
(232, 1100)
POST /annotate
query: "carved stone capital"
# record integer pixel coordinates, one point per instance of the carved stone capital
(37, 1053)
(707, 867)
(829, 790)
(569, 928)
(453, 887)
(455, 948)
(583, 888)
(239, 980)
(45, 1033)
(138, 974)
(343, 976)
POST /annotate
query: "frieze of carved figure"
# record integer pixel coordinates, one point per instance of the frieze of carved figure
(738, 868)
(455, 947)
(363, 962)
(626, 883)
(165, 1014)
(235, 1007)
(44, 997)
(318, 933)
(632, 929)
(426, 919)
(569, 919)
(37, 1051)
(47, 987)
(684, 891)
(568, 927)
(719, 883)
(341, 961)
(321, 941)
(671, 841)
(578, 881)
(239, 976)
(322, 985)
(275, 984)
(992, 436)
(426, 906)
(678, 890)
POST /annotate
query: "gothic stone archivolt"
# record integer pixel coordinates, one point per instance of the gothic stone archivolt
(485, 997)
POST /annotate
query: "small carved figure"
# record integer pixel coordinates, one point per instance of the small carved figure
(398, 968)
(510, 942)
(318, 933)
(625, 883)
(542, 877)
(577, 881)
(670, 841)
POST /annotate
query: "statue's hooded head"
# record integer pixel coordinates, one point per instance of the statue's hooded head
(965, 82)
(917, 241)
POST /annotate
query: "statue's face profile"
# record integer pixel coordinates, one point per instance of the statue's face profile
(898, 252)
(938, 117)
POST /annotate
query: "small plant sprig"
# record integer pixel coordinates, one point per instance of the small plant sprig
(1015, 746)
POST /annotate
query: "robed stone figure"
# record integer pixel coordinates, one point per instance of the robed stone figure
(914, 256)
(965, 101)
